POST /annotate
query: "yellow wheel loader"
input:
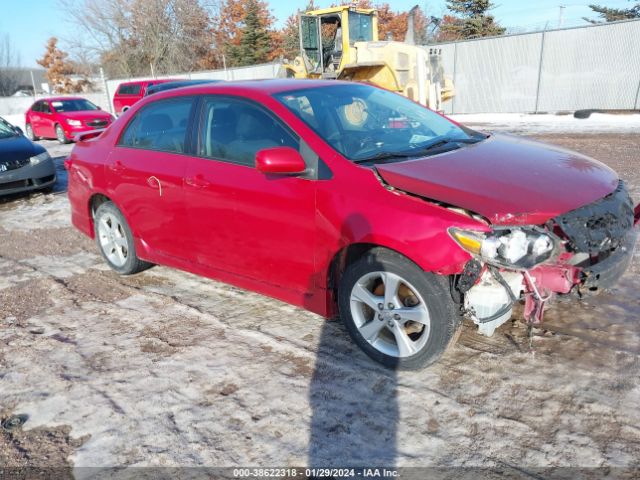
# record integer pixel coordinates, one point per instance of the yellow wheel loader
(342, 43)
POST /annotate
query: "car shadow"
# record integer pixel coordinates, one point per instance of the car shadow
(353, 400)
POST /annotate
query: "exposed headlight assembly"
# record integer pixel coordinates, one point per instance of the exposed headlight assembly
(518, 247)
(41, 157)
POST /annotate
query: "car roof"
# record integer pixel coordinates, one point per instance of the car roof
(161, 87)
(267, 87)
(150, 80)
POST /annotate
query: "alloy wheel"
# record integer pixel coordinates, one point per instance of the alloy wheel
(390, 314)
(113, 240)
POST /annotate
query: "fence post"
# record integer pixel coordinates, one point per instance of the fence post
(106, 89)
(455, 60)
(540, 70)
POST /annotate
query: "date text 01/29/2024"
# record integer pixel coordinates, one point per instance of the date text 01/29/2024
(345, 473)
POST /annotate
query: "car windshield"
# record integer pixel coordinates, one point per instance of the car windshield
(6, 129)
(73, 105)
(365, 123)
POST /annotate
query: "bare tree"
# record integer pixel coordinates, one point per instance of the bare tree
(9, 63)
(138, 37)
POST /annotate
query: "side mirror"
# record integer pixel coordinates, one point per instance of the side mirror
(280, 160)
(18, 130)
(99, 107)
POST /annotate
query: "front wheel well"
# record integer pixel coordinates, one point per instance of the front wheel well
(348, 255)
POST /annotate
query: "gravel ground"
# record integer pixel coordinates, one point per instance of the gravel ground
(169, 369)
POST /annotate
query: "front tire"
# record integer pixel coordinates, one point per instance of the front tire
(115, 240)
(398, 314)
(60, 135)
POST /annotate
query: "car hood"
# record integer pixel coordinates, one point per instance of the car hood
(85, 115)
(508, 180)
(18, 148)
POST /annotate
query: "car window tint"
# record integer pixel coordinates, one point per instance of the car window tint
(235, 130)
(45, 107)
(161, 126)
(129, 89)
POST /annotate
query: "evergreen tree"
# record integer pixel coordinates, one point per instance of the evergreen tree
(472, 20)
(614, 14)
(255, 43)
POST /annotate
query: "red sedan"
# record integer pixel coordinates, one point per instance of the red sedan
(63, 118)
(349, 200)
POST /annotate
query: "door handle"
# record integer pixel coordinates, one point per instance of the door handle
(153, 182)
(117, 166)
(197, 182)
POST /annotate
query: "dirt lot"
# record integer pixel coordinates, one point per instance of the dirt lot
(168, 369)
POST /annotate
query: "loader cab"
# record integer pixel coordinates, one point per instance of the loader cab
(328, 35)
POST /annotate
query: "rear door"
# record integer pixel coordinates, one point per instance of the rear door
(242, 220)
(146, 172)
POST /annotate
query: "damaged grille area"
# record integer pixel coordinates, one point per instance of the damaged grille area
(600, 226)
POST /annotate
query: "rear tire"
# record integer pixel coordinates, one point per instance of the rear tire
(115, 240)
(400, 315)
(29, 133)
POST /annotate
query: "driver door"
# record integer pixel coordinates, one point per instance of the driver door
(242, 220)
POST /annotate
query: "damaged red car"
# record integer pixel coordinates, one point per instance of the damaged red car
(351, 201)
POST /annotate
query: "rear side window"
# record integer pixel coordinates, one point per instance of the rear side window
(235, 130)
(36, 107)
(161, 126)
(44, 107)
(133, 89)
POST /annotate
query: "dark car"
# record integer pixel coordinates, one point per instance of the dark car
(24, 165)
(347, 199)
(161, 87)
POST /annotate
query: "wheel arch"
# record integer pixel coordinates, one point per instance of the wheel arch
(348, 255)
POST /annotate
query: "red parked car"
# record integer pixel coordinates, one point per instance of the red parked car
(350, 200)
(129, 93)
(63, 118)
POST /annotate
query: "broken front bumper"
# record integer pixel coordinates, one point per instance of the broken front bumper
(606, 273)
(604, 240)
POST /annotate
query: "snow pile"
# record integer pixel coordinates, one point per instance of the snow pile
(530, 123)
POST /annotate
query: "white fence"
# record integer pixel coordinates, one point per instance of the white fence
(254, 72)
(19, 105)
(592, 67)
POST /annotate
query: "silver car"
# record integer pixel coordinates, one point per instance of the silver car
(24, 166)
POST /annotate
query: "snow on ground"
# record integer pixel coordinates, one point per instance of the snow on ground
(547, 123)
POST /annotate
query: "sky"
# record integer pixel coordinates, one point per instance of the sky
(29, 23)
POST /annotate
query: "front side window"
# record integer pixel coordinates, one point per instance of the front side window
(235, 130)
(73, 105)
(363, 122)
(6, 129)
(160, 126)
